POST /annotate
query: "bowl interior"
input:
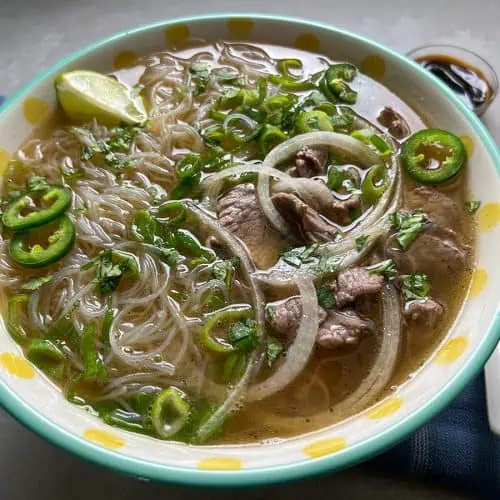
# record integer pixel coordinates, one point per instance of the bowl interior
(32, 398)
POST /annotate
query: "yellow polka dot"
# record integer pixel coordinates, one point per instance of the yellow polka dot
(125, 59)
(16, 365)
(479, 280)
(35, 110)
(385, 409)
(325, 447)
(307, 41)
(373, 66)
(177, 35)
(451, 351)
(469, 145)
(4, 161)
(488, 216)
(220, 463)
(240, 28)
(104, 438)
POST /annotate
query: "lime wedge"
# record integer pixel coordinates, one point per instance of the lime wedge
(86, 94)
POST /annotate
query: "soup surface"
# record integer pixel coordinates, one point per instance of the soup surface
(233, 242)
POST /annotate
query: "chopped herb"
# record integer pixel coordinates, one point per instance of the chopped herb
(328, 265)
(472, 206)
(200, 69)
(228, 75)
(36, 283)
(298, 256)
(360, 242)
(243, 335)
(408, 225)
(350, 187)
(37, 184)
(108, 274)
(326, 297)
(274, 349)
(415, 286)
(386, 267)
(271, 311)
(170, 255)
(224, 270)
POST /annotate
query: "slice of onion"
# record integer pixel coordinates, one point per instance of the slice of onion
(237, 393)
(385, 362)
(299, 352)
(212, 185)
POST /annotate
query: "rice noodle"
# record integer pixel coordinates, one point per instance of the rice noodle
(300, 351)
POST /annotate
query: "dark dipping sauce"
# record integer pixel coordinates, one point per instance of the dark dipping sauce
(467, 82)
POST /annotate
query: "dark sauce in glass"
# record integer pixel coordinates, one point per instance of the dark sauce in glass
(467, 82)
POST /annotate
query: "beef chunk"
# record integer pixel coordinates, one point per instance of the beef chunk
(308, 223)
(434, 252)
(342, 328)
(310, 161)
(340, 210)
(284, 316)
(356, 282)
(239, 211)
(438, 207)
(426, 311)
(394, 122)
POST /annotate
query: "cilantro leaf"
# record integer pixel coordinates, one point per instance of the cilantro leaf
(36, 283)
(328, 265)
(407, 225)
(108, 274)
(360, 242)
(273, 350)
(243, 335)
(326, 297)
(386, 267)
(415, 286)
(472, 206)
(224, 270)
(37, 184)
(298, 256)
(170, 255)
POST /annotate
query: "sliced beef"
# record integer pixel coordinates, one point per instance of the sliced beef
(426, 311)
(284, 316)
(438, 207)
(309, 225)
(356, 282)
(342, 328)
(394, 122)
(434, 252)
(310, 161)
(239, 211)
(340, 211)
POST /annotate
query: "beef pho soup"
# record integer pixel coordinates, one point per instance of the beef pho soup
(233, 242)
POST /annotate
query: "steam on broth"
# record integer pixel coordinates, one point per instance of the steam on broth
(271, 249)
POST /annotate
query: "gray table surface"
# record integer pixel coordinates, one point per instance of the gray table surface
(36, 33)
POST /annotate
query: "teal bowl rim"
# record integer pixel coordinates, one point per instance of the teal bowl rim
(351, 455)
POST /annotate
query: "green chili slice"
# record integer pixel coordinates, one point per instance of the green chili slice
(185, 241)
(58, 199)
(172, 213)
(171, 412)
(60, 243)
(289, 83)
(284, 66)
(219, 321)
(94, 368)
(15, 306)
(433, 156)
(333, 83)
(374, 184)
(335, 177)
(48, 357)
(270, 137)
(313, 120)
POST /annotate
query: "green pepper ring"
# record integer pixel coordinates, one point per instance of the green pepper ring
(178, 401)
(370, 191)
(304, 121)
(43, 257)
(448, 168)
(13, 219)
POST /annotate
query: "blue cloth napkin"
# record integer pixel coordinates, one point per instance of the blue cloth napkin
(456, 449)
